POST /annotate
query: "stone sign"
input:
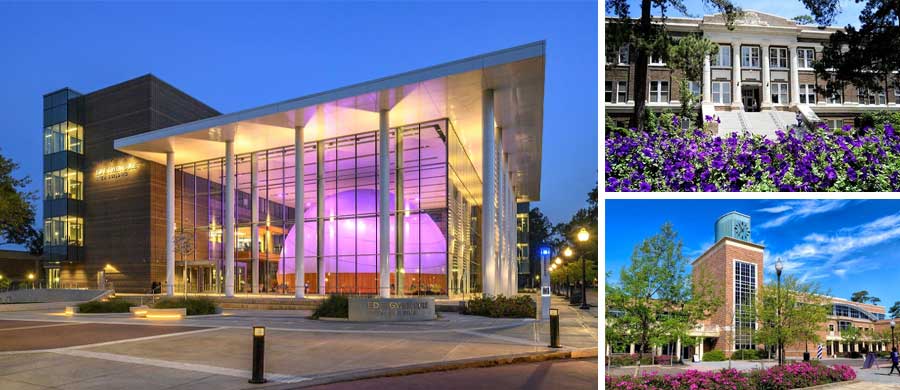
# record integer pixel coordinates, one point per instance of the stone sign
(391, 309)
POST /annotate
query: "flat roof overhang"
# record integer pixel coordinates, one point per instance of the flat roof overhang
(452, 90)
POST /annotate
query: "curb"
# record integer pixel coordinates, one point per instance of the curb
(487, 361)
(830, 385)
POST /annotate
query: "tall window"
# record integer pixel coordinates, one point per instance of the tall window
(622, 92)
(659, 91)
(695, 88)
(721, 92)
(805, 58)
(64, 230)
(64, 183)
(835, 123)
(744, 301)
(779, 93)
(808, 93)
(836, 97)
(623, 55)
(723, 57)
(656, 59)
(608, 92)
(778, 57)
(867, 96)
(750, 56)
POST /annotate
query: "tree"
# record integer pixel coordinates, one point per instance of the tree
(866, 56)
(863, 296)
(35, 241)
(646, 36)
(16, 210)
(794, 314)
(540, 231)
(851, 335)
(803, 19)
(894, 311)
(585, 217)
(688, 56)
(655, 300)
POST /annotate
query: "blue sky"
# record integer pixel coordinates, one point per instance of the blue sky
(234, 56)
(843, 245)
(788, 8)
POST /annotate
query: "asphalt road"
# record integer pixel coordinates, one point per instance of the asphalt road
(554, 374)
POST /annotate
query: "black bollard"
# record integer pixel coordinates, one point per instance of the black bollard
(259, 355)
(554, 328)
(805, 356)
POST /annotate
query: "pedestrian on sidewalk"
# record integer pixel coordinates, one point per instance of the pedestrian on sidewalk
(894, 360)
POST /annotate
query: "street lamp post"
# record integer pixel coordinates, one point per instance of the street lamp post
(557, 263)
(568, 254)
(893, 342)
(583, 236)
(778, 267)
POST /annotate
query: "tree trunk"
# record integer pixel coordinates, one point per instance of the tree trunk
(640, 69)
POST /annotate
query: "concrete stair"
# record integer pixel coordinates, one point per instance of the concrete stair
(764, 123)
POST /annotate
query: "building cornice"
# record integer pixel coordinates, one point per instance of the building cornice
(725, 241)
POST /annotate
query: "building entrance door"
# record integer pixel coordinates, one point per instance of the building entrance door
(750, 98)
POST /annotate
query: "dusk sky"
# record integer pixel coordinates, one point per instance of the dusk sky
(237, 56)
(843, 245)
(849, 9)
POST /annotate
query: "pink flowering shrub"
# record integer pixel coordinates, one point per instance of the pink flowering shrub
(791, 376)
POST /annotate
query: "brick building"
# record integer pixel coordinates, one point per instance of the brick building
(760, 80)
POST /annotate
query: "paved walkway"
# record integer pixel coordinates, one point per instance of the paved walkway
(215, 351)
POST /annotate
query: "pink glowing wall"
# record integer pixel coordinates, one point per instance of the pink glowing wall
(424, 244)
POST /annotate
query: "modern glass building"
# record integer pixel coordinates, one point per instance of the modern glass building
(406, 185)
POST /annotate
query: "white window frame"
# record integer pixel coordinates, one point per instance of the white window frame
(623, 53)
(653, 60)
(808, 91)
(835, 123)
(777, 57)
(805, 60)
(695, 88)
(608, 92)
(750, 58)
(840, 97)
(657, 94)
(721, 92)
(779, 93)
(621, 92)
(722, 58)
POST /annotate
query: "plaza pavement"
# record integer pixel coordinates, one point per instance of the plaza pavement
(116, 351)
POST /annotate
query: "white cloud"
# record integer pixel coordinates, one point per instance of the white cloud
(799, 209)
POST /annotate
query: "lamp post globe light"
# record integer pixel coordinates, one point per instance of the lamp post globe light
(568, 254)
(778, 267)
(583, 236)
(893, 342)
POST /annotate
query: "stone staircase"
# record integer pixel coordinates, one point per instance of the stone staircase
(764, 122)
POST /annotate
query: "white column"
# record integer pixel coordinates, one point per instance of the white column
(488, 190)
(707, 80)
(170, 223)
(631, 348)
(229, 218)
(736, 77)
(700, 345)
(503, 274)
(399, 208)
(384, 206)
(299, 247)
(678, 349)
(766, 77)
(795, 76)
(254, 221)
(320, 217)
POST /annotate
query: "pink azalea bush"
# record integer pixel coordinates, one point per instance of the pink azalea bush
(791, 376)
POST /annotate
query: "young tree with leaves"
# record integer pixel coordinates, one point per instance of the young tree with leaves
(792, 314)
(687, 56)
(894, 311)
(646, 36)
(16, 209)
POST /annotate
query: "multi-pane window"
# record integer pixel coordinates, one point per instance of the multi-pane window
(723, 57)
(64, 230)
(608, 92)
(778, 57)
(805, 57)
(744, 301)
(64, 183)
(623, 55)
(63, 136)
(659, 91)
(779, 93)
(835, 123)
(721, 92)
(622, 92)
(694, 87)
(836, 97)
(871, 97)
(808, 93)
(750, 56)
(656, 59)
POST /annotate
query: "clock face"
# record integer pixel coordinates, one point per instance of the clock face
(742, 231)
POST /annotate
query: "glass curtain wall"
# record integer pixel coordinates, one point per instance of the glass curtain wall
(436, 199)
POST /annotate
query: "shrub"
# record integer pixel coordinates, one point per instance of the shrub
(336, 306)
(745, 354)
(663, 359)
(110, 306)
(193, 305)
(521, 306)
(796, 375)
(820, 159)
(713, 356)
(628, 360)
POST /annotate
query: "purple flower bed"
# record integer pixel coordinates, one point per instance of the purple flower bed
(791, 376)
(821, 159)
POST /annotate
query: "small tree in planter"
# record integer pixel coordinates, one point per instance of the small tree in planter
(851, 335)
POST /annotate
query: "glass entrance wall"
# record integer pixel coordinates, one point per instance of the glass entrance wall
(341, 233)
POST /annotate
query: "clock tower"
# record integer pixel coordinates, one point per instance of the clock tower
(734, 225)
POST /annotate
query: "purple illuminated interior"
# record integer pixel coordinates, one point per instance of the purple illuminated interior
(357, 236)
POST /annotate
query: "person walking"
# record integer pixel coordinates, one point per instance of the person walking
(894, 359)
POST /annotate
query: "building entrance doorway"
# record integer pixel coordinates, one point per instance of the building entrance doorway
(750, 98)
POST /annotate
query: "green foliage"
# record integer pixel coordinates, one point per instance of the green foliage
(335, 306)
(795, 312)
(585, 217)
(16, 210)
(110, 306)
(655, 301)
(688, 55)
(572, 268)
(863, 296)
(894, 311)
(746, 354)
(620, 360)
(520, 306)
(714, 356)
(804, 19)
(193, 305)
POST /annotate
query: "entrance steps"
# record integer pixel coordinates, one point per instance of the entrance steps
(763, 123)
